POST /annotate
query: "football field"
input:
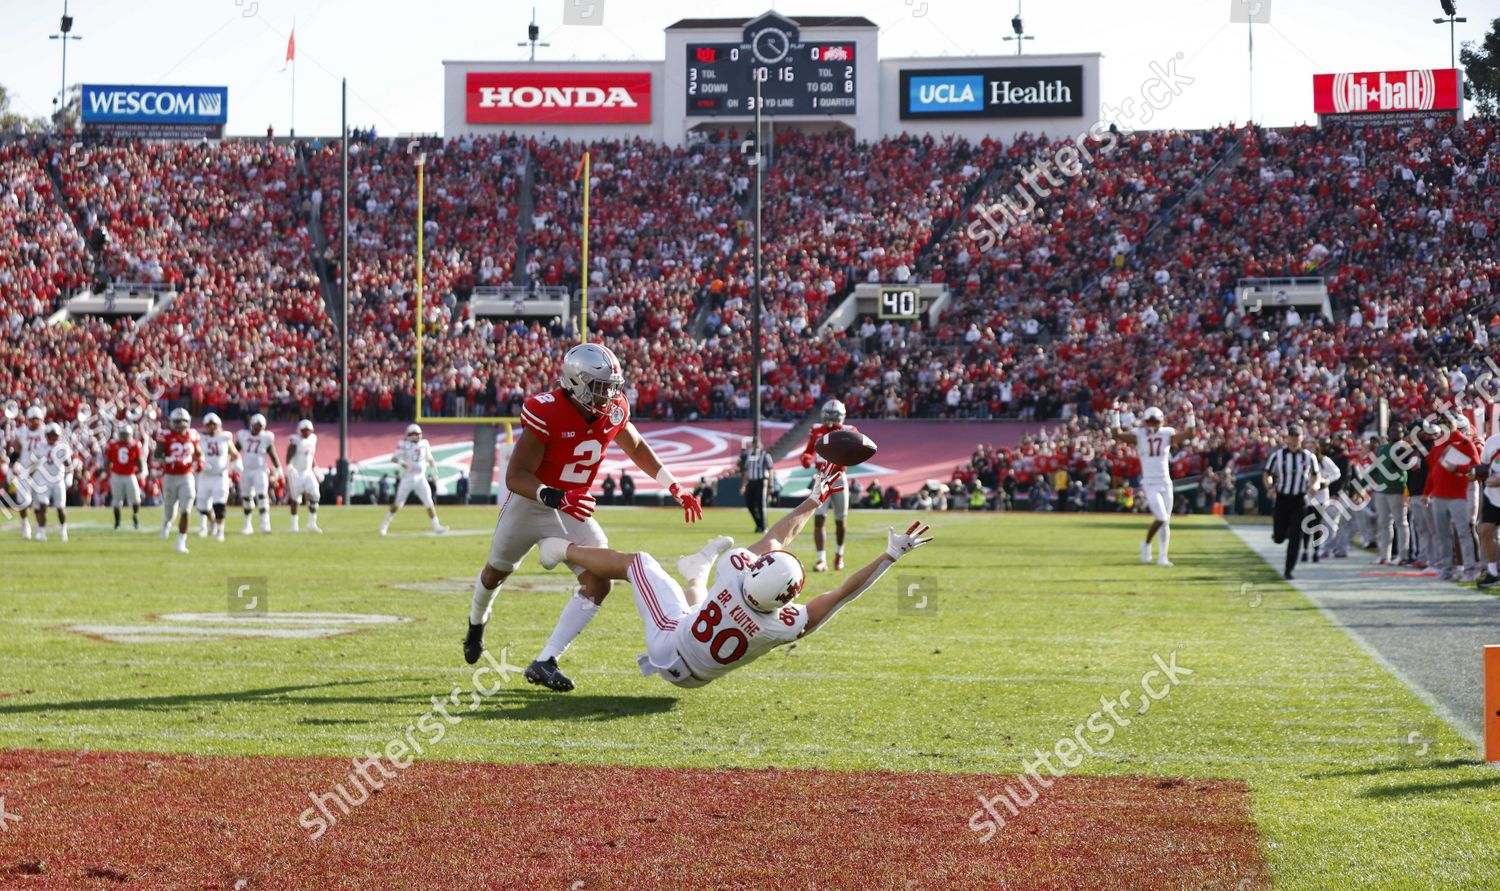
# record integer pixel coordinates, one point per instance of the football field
(173, 721)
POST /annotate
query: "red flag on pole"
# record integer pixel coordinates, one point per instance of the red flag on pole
(577, 174)
(291, 48)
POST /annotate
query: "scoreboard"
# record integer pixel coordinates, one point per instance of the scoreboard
(797, 77)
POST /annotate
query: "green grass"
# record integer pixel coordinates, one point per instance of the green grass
(1036, 618)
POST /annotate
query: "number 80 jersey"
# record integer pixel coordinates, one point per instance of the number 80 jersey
(574, 444)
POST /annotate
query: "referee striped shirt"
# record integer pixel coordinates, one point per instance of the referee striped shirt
(1291, 471)
(756, 464)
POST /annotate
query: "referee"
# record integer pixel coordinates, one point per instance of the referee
(1290, 474)
(755, 466)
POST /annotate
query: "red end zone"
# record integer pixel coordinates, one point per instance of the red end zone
(171, 821)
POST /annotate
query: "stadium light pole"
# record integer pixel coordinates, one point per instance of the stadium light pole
(344, 295)
(1451, 16)
(532, 33)
(66, 27)
(1019, 29)
(755, 322)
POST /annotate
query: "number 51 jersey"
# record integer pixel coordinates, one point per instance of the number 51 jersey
(574, 445)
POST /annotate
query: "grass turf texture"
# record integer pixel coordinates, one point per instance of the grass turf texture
(1032, 619)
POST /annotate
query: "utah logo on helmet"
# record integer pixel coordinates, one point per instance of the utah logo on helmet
(773, 581)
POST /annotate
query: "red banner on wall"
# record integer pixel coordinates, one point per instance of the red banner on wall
(552, 97)
(1423, 89)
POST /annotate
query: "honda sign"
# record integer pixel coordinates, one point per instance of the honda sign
(547, 97)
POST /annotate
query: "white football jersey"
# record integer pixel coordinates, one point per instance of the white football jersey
(254, 447)
(304, 452)
(725, 632)
(57, 462)
(413, 456)
(33, 446)
(1155, 452)
(1490, 455)
(215, 452)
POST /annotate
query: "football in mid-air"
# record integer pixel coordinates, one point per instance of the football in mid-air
(846, 447)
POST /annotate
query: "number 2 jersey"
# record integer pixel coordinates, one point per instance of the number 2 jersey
(575, 445)
(724, 632)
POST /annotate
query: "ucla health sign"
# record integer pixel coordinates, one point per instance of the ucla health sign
(156, 111)
(1031, 91)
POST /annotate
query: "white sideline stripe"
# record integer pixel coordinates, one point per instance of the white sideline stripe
(1442, 711)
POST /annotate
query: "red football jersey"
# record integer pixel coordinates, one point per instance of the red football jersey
(575, 446)
(181, 450)
(124, 457)
(818, 432)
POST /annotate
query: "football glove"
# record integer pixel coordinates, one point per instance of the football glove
(576, 503)
(807, 459)
(898, 545)
(828, 481)
(692, 510)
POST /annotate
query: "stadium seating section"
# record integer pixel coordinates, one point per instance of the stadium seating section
(1116, 283)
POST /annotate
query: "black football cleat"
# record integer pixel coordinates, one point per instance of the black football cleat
(546, 674)
(1488, 580)
(474, 643)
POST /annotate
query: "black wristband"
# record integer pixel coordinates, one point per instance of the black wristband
(549, 496)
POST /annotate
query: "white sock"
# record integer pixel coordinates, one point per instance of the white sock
(839, 550)
(436, 524)
(1492, 570)
(386, 523)
(295, 522)
(1166, 537)
(576, 616)
(822, 556)
(479, 607)
(182, 539)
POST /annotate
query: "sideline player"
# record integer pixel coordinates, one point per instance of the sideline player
(213, 485)
(1154, 443)
(302, 483)
(178, 451)
(30, 450)
(752, 609)
(127, 464)
(50, 481)
(833, 419)
(564, 435)
(257, 447)
(414, 455)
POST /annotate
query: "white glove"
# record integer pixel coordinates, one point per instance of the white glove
(828, 481)
(898, 545)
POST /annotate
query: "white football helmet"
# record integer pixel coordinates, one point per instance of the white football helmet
(414, 430)
(773, 581)
(591, 375)
(34, 416)
(304, 426)
(834, 412)
(52, 430)
(257, 422)
(212, 420)
(1153, 414)
(180, 419)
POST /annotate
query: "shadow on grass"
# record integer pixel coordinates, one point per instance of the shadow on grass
(539, 705)
(188, 700)
(1396, 767)
(1404, 790)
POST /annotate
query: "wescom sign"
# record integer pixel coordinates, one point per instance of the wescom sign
(558, 97)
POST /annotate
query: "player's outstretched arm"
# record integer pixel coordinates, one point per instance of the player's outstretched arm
(638, 450)
(821, 608)
(784, 530)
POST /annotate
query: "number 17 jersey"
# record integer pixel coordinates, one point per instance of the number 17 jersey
(574, 445)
